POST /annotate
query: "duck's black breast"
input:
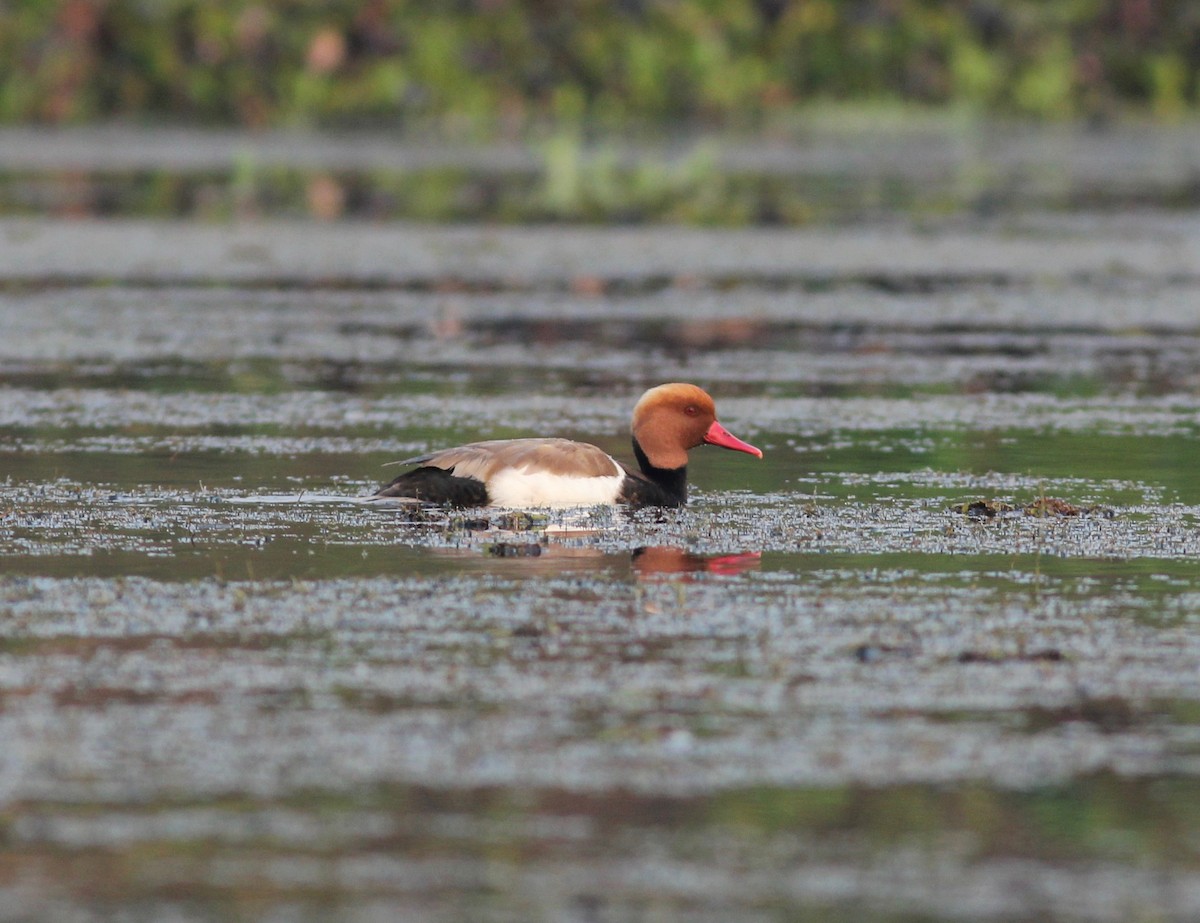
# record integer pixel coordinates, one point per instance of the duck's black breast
(639, 491)
(653, 486)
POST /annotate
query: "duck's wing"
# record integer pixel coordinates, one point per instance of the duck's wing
(482, 460)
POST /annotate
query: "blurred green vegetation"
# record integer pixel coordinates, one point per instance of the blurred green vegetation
(502, 67)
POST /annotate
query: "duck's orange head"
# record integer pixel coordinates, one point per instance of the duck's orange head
(672, 418)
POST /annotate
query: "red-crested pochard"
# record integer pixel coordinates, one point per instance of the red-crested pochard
(667, 421)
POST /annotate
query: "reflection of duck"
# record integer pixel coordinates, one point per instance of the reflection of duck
(664, 560)
(517, 554)
(667, 422)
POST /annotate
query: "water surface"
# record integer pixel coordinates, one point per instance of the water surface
(231, 689)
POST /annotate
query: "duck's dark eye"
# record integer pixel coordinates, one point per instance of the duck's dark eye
(691, 410)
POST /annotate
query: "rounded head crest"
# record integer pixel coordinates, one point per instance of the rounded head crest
(672, 418)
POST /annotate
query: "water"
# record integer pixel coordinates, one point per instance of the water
(232, 689)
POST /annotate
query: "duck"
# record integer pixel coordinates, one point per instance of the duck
(668, 421)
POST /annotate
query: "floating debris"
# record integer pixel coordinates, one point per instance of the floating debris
(514, 549)
(873, 653)
(1042, 507)
(1052, 506)
(983, 509)
(1049, 655)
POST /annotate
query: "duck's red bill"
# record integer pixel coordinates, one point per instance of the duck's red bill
(719, 435)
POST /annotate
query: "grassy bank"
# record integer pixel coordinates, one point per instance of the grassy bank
(497, 67)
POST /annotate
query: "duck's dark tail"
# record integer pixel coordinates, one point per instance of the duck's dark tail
(435, 486)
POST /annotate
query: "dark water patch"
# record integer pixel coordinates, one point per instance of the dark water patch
(455, 195)
(659, 688)
(228, 317)
(468, 259)
(243, 343)
(431, 194)
(483, 367)
(614, 283)
(1088, 820)
(899, 853)
(720, 182)
(972, 428)
(925, 338)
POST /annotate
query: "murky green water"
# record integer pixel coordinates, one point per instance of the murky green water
(230, 689)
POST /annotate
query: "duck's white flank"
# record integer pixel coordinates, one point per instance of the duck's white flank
(523, 487)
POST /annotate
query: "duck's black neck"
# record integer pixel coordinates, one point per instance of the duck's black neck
(672, 482)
